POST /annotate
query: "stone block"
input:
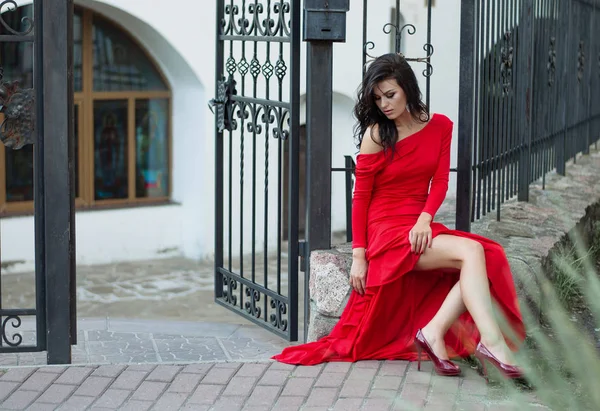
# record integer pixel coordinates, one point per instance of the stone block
(329, 289)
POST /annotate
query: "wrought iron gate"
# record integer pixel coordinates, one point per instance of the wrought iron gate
(530, 81)
(257, 120)
(40, 113)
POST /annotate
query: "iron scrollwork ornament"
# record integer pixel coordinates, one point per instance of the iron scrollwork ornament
(411, 30)
(17, 106)
(11, 5)
(552, 61)
(580, 61)
(506, 63)
(15, 339)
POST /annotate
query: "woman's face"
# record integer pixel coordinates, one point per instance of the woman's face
(390, 98)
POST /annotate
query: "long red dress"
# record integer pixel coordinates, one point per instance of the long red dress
(390, 194)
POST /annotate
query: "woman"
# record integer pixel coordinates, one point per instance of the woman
(418, 286)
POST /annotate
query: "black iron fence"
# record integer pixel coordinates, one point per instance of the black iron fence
(37, 110)
(529, 99)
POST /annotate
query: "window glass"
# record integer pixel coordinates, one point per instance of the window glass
(119, 64)
(19, 174)
(152, 150)
(78, 50)
(110, 150)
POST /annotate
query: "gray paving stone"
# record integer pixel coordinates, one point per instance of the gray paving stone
(310, 372)
(37, 406)
(263, 396)
(299, 387)
(289, 403)
(184, 383)
(348, 404)
(111, 371)
(112, 398)
(329, 379)
(170, 401)
(17, 374)
(252, 370)
(274, 377)
(240, 386)
(164, 373)
(228, 404)
(6, 388)
(56, 393)
(74, 375)
(219, 375)
(201, 369)
(19, 400)
(77, 403)
(93, 386)
(38, 381)
(322, 397)
(355, 388)
(206, 394)
(129, 380)
(149, 391)
(136, 405)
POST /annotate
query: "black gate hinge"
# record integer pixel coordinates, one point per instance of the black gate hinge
(303, 253)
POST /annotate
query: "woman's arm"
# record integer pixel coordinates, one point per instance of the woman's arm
(366, 169)
(439, 182)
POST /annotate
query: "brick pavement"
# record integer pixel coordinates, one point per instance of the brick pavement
(231, 386)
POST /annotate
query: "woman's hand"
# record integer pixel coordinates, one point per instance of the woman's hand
(420, 235)
(358, 273)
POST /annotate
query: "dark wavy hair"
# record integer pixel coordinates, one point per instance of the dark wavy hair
(388, 66)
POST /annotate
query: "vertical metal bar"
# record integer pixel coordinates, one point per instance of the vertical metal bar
(495, 81)
(427, 50)
(58, 172)
(219, 201)
(475, 161)
(364, 37)
(561, 144)
(38, 197)
(266, 188)
(525, 62)
(502, 107)
(591, 39)
(465, 115)
(294, 171)
(480, 137)
(349, 171)
(488, 97)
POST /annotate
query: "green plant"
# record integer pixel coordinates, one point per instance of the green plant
(561, 358)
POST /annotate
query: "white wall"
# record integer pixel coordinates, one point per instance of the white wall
(181, 38)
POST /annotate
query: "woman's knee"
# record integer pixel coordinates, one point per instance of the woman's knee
(471, 250)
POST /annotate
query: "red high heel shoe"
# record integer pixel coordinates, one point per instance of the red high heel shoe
(509, 371)
(442, 367)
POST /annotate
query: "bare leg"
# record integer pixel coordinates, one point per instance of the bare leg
(468, 256)
(452, 308)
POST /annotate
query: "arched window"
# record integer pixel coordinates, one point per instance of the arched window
(121, 116)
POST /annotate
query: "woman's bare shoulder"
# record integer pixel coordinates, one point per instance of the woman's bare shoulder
(371, 142)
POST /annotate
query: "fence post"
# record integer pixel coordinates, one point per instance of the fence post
(58, 150)
(465, 116)
(324, 23)
(525, 92)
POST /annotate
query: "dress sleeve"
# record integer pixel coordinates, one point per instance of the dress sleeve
(367, 166)
(439, 182)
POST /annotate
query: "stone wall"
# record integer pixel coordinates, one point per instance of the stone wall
(527, 231)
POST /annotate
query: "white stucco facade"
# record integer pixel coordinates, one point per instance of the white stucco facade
(180, 37)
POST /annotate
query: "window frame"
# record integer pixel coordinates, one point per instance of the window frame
(85, 99)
